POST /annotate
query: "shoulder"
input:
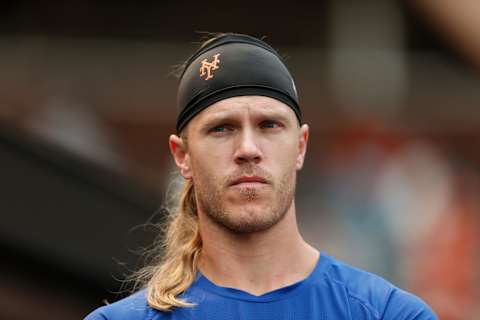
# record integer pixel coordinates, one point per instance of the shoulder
(372, 297)
(134, 307)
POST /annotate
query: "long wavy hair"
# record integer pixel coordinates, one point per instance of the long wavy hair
(174, 256)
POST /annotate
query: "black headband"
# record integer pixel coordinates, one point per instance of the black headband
(233, 65)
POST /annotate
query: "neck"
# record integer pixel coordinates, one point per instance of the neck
(256, 262)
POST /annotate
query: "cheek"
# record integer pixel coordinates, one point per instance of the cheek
(207, 165)
(285, 154)
(212, 154)
(200, 167)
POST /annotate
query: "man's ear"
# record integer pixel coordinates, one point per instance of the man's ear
(178, 149)
(302, 145)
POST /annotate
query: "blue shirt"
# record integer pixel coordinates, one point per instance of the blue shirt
(334, 290)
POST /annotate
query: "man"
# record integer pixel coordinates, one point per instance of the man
(232, 249)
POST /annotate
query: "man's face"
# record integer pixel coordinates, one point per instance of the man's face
(242, 154)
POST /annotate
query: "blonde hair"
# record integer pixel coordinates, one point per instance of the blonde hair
(174, 257)
(174, 269)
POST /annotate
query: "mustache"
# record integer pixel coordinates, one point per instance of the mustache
(250, 170)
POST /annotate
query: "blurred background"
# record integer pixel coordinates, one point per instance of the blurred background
(391, 183)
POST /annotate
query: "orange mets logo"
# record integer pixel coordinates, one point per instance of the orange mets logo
(207, 68)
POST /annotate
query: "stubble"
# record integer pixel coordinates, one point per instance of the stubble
(210, 194)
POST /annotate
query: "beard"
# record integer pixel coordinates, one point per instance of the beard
(260, 210)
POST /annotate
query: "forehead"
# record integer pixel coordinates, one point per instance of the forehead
(238, 106)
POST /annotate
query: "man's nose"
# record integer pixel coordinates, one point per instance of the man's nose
(248, 148)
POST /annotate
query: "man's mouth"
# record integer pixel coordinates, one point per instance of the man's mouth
(249, 180)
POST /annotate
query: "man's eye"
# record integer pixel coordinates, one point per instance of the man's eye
(220, 128)
(270, 124)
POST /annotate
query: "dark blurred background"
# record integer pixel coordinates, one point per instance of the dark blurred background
(392, 178)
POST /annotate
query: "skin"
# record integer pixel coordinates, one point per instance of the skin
(243, 154)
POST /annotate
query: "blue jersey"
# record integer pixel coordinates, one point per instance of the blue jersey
(333, 291)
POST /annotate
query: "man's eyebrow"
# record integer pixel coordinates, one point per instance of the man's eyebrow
(230, 115)
(274, 115)
(282, 116)
(215, 119)
(217, 116)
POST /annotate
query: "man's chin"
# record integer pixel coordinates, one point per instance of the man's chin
(249, 217)
(245, 194)
(249, 208)
(247, 226)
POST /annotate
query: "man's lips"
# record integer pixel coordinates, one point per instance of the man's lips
(246, 179)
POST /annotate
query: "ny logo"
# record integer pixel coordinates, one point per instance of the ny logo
(207, 68)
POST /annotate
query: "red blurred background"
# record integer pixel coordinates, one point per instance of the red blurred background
(389, 88)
